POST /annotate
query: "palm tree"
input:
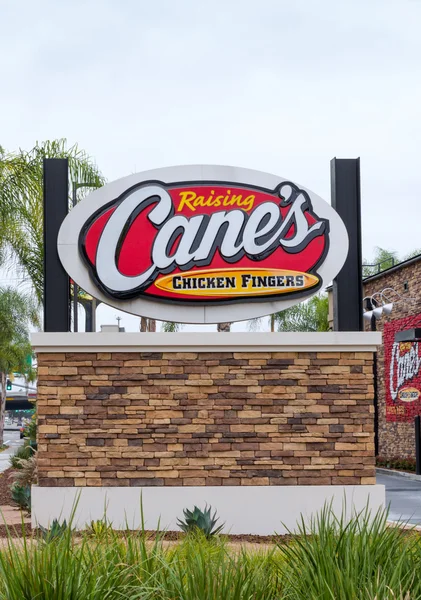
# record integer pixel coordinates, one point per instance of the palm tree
(311, 315)
(170, 327)
(384, 259)
(17, 311)
(21, 203)
(307, 316)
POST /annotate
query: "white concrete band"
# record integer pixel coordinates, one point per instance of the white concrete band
(332, 341)
(261, 510)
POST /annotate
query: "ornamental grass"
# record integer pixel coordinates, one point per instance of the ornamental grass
(329, 559)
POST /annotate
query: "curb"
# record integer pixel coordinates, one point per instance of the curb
(403, 525)
(410, 476)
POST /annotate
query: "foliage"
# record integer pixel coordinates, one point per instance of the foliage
(21, 494)
(99, 529)
(17, 310)
(363, 558)
(170, 327)
(26, 473)
(330, 559)
(198, 520)
(401, 463)
(22, 453)
(56, 531)
(384, 259)
(30, 430)
(21, 203)
(312, 315)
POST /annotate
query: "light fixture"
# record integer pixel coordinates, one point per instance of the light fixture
(381, 304)
(377, 312)
(387, 308)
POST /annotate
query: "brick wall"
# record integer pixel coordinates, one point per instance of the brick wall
(395, 439)
(180, 419)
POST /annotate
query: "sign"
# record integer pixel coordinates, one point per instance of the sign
(202, 244)
(403, 372)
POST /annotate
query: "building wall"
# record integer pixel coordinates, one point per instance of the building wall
(205, 418)
(396, 438)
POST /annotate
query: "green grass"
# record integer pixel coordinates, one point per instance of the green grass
(330, 560)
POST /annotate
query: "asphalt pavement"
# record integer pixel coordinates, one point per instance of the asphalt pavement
(12, 439)
(403, 497)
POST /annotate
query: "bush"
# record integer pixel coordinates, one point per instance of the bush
(21, 494)
(406, 463)
(26, 473)
(23, 452)
(31, 429)
(362, 559)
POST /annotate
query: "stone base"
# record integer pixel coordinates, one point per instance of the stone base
(261, 510)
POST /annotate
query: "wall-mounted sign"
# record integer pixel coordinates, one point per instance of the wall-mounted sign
(202, 244)
(403, 372)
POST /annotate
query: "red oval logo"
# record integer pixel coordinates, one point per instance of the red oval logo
(206, 242)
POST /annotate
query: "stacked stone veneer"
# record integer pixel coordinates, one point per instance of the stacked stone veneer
(210, 418)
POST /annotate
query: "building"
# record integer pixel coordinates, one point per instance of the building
(398, 402)
(398, 365)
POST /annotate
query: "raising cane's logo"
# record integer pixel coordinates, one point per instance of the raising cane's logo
(405, 366)
(210, 242)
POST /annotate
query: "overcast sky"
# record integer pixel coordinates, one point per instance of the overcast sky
(276, 85)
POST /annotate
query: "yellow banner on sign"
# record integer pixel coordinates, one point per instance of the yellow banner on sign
(236, 282)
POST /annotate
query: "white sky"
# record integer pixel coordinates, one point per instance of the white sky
(276, 85)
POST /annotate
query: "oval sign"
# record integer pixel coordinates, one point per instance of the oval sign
(408, 394)
(202, 244)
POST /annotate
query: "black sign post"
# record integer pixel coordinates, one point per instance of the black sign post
(347, 285)
(56, 280)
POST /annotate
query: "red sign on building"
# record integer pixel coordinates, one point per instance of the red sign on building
(402, 372)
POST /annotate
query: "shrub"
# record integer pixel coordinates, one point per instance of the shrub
(21, 494)
(31, 429)
(362, 558)
(402, 463)
(198, 520)
(26, 473)
(23, 452)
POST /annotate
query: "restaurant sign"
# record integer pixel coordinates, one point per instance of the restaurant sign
(202, 244)
(403, 372)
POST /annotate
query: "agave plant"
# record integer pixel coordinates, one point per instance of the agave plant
(199, 520)
(99, 529)
(57, 530)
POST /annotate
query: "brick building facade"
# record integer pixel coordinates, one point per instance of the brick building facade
(396, 429)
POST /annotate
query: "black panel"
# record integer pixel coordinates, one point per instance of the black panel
(56, 280)
(347, 286)
(19, 405)
(409, 335)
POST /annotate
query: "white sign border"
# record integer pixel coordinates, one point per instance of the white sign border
(68, 245)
